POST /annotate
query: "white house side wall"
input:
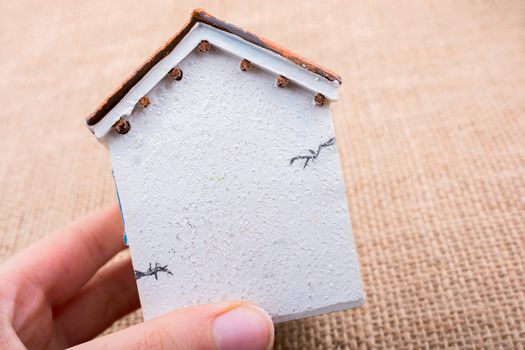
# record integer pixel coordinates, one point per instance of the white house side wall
(214, 207)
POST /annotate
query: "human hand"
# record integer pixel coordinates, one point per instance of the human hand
(57, 293)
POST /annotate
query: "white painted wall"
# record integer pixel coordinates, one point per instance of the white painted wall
(207, 189)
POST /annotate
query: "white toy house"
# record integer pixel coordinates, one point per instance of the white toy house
(226, 164)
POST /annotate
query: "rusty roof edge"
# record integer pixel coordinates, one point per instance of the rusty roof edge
(139, 73)
(200, 15)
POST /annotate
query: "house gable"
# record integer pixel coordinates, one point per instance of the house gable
(242, 44)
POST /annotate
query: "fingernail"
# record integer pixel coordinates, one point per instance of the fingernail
(246, 327)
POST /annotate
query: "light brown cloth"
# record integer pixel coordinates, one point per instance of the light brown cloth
(430, 124)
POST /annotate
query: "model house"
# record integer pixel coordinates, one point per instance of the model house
(229, 178)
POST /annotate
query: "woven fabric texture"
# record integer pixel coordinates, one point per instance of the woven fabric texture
(430, 124)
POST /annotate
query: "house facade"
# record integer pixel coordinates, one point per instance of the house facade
(229, 178)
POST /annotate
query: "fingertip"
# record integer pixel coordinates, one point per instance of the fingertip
(244, 326)
(269, 322)
(223, 326)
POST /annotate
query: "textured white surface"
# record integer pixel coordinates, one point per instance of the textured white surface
(207, 189)
(229, 43)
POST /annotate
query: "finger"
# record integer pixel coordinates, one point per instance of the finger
(61, 263)
(111, 294)
(222, 326)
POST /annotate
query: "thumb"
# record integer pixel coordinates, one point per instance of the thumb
(223, 326)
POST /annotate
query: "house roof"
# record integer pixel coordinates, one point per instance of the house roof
(201, 16)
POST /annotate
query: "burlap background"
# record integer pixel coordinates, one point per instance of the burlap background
(430, 123)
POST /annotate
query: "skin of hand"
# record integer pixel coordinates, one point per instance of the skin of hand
(60, 293)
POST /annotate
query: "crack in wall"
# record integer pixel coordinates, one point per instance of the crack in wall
(153, 271)
(313, 154)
